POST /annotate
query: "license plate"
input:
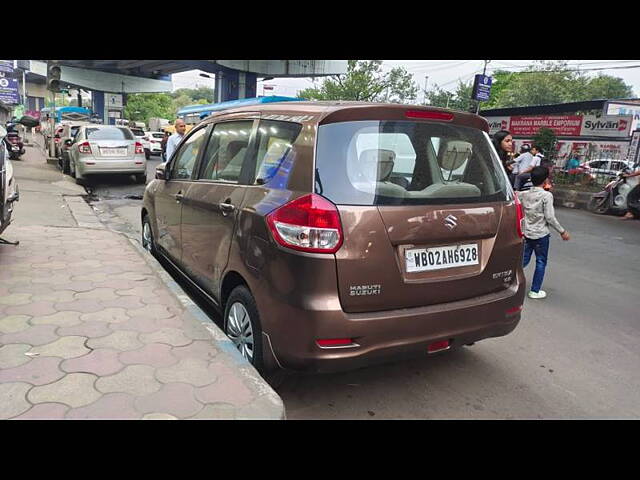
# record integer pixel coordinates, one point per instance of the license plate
(114, 152)
(437, 258)
(15, 149)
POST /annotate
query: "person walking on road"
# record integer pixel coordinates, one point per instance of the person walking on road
(163, 146)
(538, 216)
(632, 195)
(175, 139)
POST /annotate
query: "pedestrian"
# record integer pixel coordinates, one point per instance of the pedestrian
(539, 215)
(175, 139)
(503, 143)
(163, 145)
(526, 165)
(574, 162)
(632, 195)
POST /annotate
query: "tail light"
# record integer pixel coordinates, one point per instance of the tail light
(309, 224)
(438, 346)
(430, 115)
(139, 148)
(84, 148)
(336, 342)
(520, 216)
(13, 140)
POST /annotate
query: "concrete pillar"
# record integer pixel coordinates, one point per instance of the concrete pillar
(227, 85)
(98, 106)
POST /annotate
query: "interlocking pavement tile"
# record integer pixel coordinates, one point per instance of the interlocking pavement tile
(198, 349)
(156, 354)
(34, 289)
(74, 389)
(48, 278)
(82, 306)
(16, 280)
(228, 389)
(109, 315)
(44, 411)
(90, 277)
(16, 299)
(14, 323)
(159, 416)
(150, 311)
(147, 325)
(188, 370)
(13, 399)
(116, 284)
(62, 319)
(38, 335)
(13, 355)
(174, 398)
(134, 380)
(100, 294)
(87, 329)
(123, 340)
(50, 265)
(56, 296)
(216, 411)
(194, 329)
(76, 286)
(34, 309)
(129, 303)
(170, 336)
(65, 347)
(100, 362)
(39, 371)
(112, 406)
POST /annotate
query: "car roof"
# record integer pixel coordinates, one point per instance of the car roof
(333, 111)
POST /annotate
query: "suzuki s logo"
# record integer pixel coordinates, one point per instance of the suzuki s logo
(451, 222)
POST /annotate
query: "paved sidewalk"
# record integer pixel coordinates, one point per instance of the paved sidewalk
(89, 329)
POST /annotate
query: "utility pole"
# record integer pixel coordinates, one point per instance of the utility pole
(426, 81)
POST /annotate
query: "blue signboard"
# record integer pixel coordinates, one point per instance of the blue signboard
(9, 87)
(481, 88)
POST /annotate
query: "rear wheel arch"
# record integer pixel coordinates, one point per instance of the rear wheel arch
(232, 279)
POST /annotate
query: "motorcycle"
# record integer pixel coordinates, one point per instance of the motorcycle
(8, 187)
(14, 145)
(615, 198)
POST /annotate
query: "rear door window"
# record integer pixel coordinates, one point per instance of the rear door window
(226, 151)
(405, 163)
(274, 142)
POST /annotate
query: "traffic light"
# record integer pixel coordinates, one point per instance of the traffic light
(54, 72)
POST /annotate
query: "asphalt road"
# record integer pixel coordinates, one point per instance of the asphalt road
(574, 355)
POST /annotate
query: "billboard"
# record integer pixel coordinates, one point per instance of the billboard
(498, 123)
(625, 109)
(481, 88)
(606, 126)
(562, 125)
(9, 87)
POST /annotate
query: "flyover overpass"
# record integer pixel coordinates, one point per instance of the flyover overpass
(235, 79)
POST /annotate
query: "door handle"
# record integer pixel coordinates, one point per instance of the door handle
(178, 196)
(226, 208)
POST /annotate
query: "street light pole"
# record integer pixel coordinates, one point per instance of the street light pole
(426, 81)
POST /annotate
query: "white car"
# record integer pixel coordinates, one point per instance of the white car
(8, 186)
(605, 167)
(155, 142)
(141, 136)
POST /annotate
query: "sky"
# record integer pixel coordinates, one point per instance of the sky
(444, 73)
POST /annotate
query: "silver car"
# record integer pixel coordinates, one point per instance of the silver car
(106, 149)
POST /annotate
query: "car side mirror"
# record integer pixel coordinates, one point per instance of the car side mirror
(161, 171)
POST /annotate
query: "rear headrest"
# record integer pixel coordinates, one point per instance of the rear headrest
(377, 161)
(234, 147)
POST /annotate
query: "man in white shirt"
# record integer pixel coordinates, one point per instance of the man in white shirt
(175, 139)
(525, 165)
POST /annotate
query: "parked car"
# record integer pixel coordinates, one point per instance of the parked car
(604, 169)
(331, 236)
(155, 142)
(67, 132)
(141, 136)
(102, 149)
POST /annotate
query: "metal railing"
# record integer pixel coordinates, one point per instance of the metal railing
(591, 179)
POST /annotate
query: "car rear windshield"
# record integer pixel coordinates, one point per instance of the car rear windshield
(138, 132)
(157, 135)
(114, 133)
(407, 163)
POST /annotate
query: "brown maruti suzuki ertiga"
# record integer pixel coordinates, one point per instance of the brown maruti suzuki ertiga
(334, 235)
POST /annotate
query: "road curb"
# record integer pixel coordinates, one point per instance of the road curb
(571, 198)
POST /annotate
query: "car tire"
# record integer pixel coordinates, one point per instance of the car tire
(242, 326)
(148, 242)
(141, 178)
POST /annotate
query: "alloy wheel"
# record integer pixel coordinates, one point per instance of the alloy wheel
(147, 239)
(240, 331)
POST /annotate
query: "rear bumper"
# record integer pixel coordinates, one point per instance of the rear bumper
(388, 335)
(92, 166)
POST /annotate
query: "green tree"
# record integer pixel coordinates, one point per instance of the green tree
(548, 82)
(141, 107)
(196, 94)
(365, 81)
(460, 99)
(546, 139)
